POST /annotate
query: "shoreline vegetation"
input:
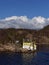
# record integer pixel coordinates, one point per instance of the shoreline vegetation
(12, 48)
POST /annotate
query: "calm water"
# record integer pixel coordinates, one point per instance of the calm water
(39, 58)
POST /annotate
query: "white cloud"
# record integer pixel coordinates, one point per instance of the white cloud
(24, 22)
(11, 18)
(23, 18)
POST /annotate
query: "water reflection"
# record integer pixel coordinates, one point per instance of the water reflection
(16, 58)
(27, 58)
(38, 58)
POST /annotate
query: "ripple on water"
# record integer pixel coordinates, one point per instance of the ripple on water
(39, 58)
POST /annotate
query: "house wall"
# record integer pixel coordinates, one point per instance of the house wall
(29, 46)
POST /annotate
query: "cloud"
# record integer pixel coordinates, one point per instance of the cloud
(24, 22)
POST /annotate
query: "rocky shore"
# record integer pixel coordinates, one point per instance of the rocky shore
(11, 48)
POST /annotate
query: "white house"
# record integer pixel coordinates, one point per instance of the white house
(27, 44)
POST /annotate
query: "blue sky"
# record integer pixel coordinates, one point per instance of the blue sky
(29, 8)
(30, 14)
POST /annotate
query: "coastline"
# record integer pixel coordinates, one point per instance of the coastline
(11, 48)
